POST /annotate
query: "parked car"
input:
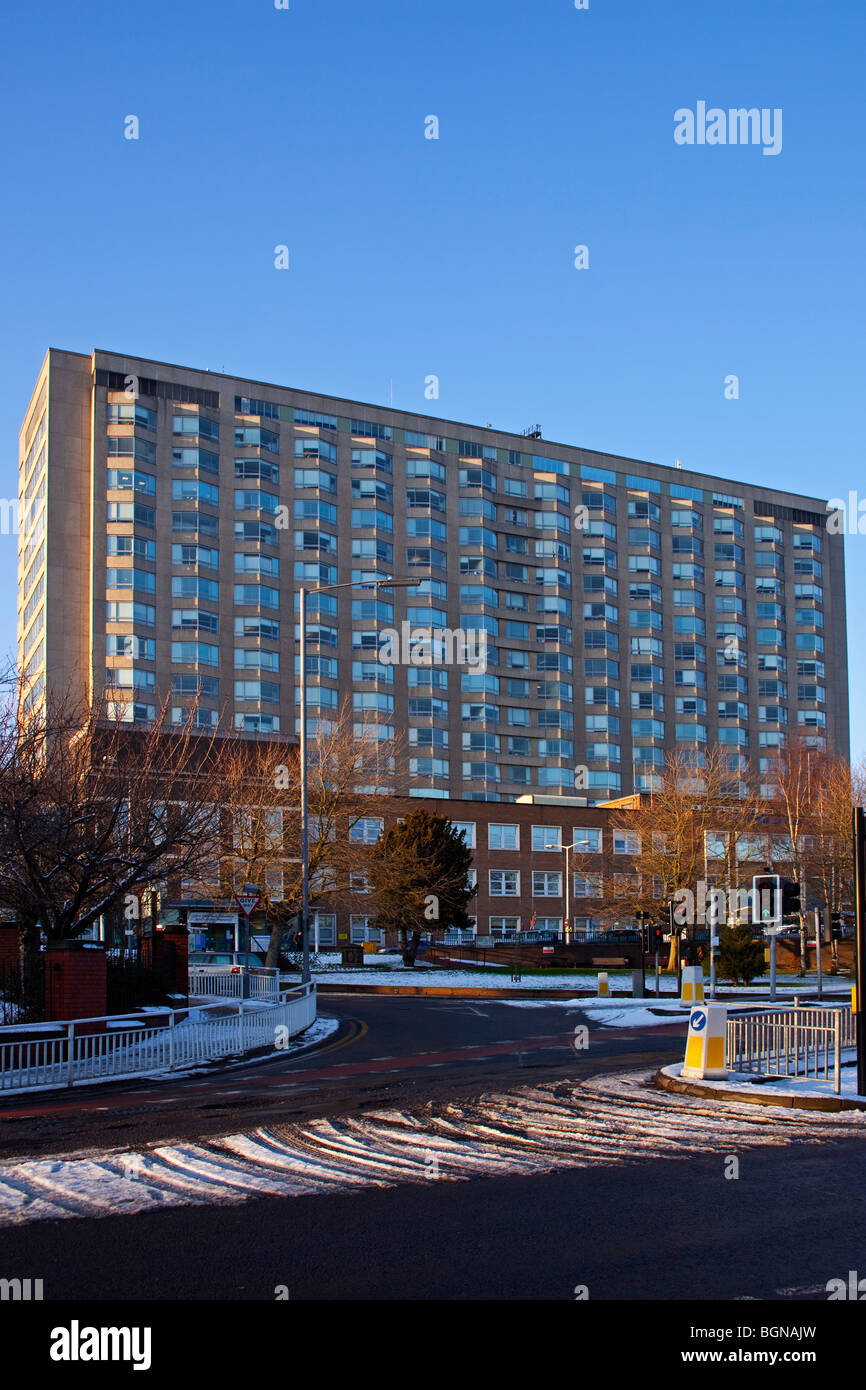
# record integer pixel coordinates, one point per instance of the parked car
(251, 959)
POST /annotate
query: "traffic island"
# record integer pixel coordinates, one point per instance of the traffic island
(741, 1088)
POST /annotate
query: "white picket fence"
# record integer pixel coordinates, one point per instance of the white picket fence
(41, 1056)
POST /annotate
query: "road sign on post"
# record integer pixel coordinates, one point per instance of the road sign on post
(248, 902)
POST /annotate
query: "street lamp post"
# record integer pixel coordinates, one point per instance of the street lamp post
(302, 732)
(127, 833)
(568, 849)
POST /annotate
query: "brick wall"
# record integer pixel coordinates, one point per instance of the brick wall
(75, 981)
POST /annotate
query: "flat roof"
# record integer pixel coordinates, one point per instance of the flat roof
(672, 473)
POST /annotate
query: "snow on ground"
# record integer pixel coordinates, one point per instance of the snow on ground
(316, 1033)
(446, 979)
(462, 979)
(612, 1013)
(535, 1129)
(786, 1085)
(622, 1016)
(434, 976)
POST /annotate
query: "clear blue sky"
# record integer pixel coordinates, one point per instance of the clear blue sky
(412, 256)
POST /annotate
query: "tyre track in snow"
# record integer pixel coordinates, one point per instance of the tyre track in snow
(532, 1129)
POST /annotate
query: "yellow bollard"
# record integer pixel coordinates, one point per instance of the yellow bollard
(705, 1044)
(603, 990)
(693, 985)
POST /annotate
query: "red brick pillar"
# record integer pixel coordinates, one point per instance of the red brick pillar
(75, 980)
(10, 950)
(171, 944)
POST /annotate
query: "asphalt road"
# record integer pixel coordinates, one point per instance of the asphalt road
(654, 1227)
(658, 1229)
(405, 1050)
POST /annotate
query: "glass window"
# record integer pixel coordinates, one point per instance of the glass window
(503, 837)
(546, 883)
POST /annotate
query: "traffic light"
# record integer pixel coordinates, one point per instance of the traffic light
(766, 900)
(790, 898)
(835, 925)
(656, 937)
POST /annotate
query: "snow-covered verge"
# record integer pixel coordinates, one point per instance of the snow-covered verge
(429, 976)
(612, 1013)
(460, 979)
(316, 1033)
(536, 1129)
(782, 1085)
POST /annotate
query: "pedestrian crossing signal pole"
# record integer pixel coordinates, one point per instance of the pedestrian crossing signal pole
(657, 931)
(643, 926)
(767, 912)
(859, 823)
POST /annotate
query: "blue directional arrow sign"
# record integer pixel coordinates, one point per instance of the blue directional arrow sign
(698, 1021)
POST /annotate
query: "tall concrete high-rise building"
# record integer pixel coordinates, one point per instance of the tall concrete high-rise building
(169, 515)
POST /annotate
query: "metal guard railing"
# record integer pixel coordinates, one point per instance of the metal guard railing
(234, 982)
(104, 1049)
(805, 1042)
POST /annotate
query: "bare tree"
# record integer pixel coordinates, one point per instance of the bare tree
(92, 813)
(828, 858)
(800, 769)
(350, 771)
(669, 829)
